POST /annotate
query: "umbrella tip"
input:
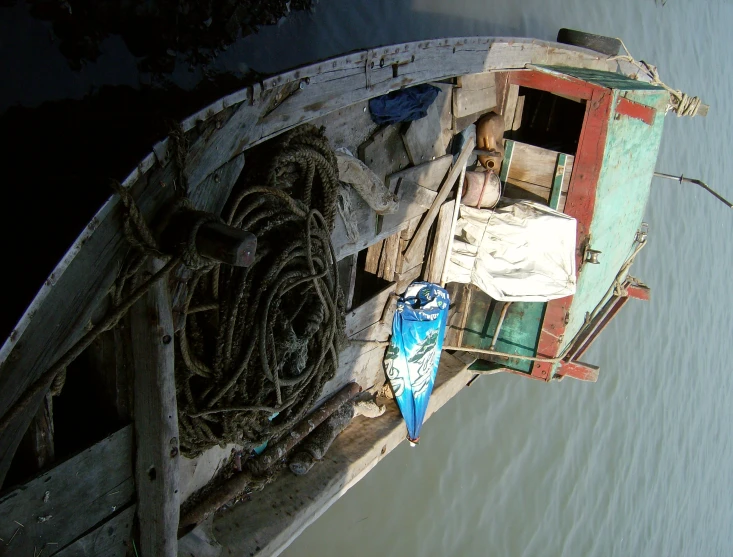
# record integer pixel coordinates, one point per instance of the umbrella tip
(413, 442)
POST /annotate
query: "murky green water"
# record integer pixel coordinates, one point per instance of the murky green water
(638, 463)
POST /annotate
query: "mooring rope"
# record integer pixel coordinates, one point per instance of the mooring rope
(681, 103)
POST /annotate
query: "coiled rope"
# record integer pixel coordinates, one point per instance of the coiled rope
(681, 103)
(260, 342)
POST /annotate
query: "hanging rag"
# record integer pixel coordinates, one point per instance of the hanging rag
(404, 105)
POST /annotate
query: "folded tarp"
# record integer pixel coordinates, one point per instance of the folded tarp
(523, 252)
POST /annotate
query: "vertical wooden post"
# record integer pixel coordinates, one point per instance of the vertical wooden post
(508, 150)
(156, 421)
(557, 181)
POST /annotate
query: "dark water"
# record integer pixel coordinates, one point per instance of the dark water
(636, 464)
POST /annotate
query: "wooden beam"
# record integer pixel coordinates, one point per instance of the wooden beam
(557, 182)
(414, 201)
(639, 291)
(109, 539)
(424, 138)
(439, 249)
(578, 370)
(37, 450)
(374, 253)
(384, 153)
(63, 503)
(636, 110)
(369, 312)
(390, 254)
(537, 165)
(422, 232)
(156, 421)
(470, 102)
(429, 175)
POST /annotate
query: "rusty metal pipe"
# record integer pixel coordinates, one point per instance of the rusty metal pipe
(239, 482)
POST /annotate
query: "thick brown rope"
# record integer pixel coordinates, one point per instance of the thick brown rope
(259, 343)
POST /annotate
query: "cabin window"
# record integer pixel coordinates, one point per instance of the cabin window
(549, 121)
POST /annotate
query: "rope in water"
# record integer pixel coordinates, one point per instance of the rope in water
(681, 103)
(260, 342)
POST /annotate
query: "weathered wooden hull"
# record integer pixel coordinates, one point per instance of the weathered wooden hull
(74, 294)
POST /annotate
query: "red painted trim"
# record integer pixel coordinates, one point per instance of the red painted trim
(587, 340)
(639, 292)
(636, 110)
(580, 205)
(564, 85)
(578, 370)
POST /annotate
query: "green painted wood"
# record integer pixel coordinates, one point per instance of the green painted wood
(622, 194)
(519, 332)
(610, 80)
(557, 181)
(508, 149)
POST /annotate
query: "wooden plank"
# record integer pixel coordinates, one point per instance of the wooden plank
(361, 364)
(429, 175)
(106, 357)
(369, 312)
(557, 181)
(228, 139)
(216, 188)
(510, 106)
(405, 278)
(109, 539)
(469, 102)
(518, 113)
(390, 253)
(348, 127)
(351, 284)
(476, 81)
(412, 253)
(70, 499)
(424, 138)
(405, 236)
(578, 370)
(385, 152)
(439, 249)
(373, 255)
(414, 200)
(537, 165)
(37, 450)
(156, 421)
(460, 298)
(445, 101)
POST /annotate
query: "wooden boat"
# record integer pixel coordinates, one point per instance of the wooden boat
(582, 135)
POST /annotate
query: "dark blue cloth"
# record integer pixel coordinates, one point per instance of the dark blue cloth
(404, 105)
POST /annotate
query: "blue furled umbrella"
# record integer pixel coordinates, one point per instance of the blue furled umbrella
(411, 362)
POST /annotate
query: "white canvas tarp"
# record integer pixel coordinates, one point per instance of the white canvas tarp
(524, 252)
